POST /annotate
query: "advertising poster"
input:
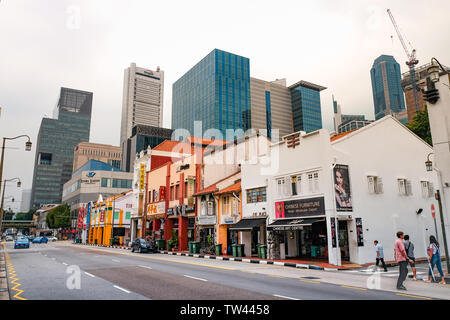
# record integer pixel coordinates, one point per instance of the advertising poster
(279, 210)
(300, 208)
(342, 191)
(359, 232)
(333, 232)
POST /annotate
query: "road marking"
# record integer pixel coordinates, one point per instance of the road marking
(53, 258)
(65, 264)
(90, 275)
(13, 277)
(117, 287)
(195, 278)
(310, 281)
(146, 267)
(356, 288)
(115, 260)
(412, 296)
(275, 276)
(277, 295)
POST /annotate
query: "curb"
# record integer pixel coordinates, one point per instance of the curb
(256, 261)
(4, 291)
(99, 245)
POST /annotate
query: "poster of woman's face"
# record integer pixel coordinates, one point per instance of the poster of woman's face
(279, 210)
(342, 188)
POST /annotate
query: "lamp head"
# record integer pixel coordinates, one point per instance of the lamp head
(429, 165)
(19, 184)
(433, 72)
(28, 146)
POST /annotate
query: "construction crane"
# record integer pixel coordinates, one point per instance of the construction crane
(412, 61)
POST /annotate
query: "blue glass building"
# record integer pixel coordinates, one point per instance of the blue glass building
(216, 91)
(56, 141)
(306, 107)
(386, 88)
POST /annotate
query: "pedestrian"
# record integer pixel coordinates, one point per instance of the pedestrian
(402, 260)
(409, 248)
(434, 259)
(380, 254)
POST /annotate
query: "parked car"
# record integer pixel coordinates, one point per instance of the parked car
(22, 242)
(140, 245)
(31, 237)
(9, 238)
(40, 240)
(52, 239)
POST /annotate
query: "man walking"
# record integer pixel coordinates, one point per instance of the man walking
(409, 248)
(401, 258)
(380, 254)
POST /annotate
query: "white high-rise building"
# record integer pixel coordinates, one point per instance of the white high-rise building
(143, 92)
(26, 198)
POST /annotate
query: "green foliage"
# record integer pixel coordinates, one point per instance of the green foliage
(8, 215)
(24, 215)
(420, 125)
(59, 217)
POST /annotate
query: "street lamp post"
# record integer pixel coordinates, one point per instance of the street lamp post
(19, 183)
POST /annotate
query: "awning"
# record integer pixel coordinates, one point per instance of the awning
(293, 224)
(247, 224)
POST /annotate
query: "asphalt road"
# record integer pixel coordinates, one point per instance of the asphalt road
(62, 271)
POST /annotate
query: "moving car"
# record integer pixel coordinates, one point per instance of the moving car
(31, 237)
(9, 238)
(142, 246)
(40, 240)
(52, 239)
(22, 242)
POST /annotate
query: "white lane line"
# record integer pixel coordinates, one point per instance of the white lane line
(65, 264)
(53, 258)
(146, 267)
(90, 275)
(276, 295)
(115, 260)
(117, 287)
(195, 278)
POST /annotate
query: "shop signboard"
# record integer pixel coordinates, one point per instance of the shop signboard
(88, 216)
(142, 177)
(300, 208)
(342, 190)
(162, 193)
(359, 232)
(206, 220)
(102, 217)
(190, 191)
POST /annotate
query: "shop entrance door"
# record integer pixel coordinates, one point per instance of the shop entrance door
(255, 241)
(343, 240)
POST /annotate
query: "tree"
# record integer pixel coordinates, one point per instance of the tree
(59, 217)
(420, 125)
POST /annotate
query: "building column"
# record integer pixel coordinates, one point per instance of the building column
(156, 225)
(168, 226)
(182, 233)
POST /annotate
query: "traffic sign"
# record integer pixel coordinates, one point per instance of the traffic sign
(433, 212)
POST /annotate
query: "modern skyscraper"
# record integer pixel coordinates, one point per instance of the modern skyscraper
(26, 199)
(216, 91)
(271, 106)
(143, 95)
(347, 122)
(306, 107)
(141, 138)
(387, 91)
(56, 141)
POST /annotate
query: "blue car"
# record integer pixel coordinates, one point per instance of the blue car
(22, 242)
(40, 240)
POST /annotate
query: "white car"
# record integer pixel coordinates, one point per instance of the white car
(52, 239)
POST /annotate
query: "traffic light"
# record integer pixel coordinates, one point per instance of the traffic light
(431, 95)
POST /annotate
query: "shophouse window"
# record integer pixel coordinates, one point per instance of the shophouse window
(171, 192)
(177, 192)
(375, 184)
(313, 182)
(280, 187)
(185, 189)
(404, 187)
(226, 206)
(427, 189)
(256, 195)
(150, 199)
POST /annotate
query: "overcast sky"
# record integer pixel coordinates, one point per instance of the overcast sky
(87, 44)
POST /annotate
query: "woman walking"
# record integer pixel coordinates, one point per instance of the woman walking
(434, 258)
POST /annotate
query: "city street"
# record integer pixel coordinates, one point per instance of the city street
(46, 272)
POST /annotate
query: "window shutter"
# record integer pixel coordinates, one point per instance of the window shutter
(379, 185)
(316, 182)
(430, 189)
(288, 186)
(408, 188)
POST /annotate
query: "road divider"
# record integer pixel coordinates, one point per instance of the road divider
(191, 277)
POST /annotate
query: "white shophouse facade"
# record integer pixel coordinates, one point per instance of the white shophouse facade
(388, 185)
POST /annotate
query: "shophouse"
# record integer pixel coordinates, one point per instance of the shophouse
(329, 199)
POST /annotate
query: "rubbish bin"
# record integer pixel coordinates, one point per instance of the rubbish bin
(95, 241)
(160, 243)
(263, 249)
(234, 249)
(195, 247)
(218, 249)
(191, 245)
(240, 250)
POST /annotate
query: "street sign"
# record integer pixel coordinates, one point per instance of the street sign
(433, 212)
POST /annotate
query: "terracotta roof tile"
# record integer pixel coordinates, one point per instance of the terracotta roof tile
(233, 188)
(341, 135)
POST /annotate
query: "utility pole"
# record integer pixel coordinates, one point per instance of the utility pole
(438, 196)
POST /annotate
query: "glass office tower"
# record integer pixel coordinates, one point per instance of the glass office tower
(306, 107)
(216, 91)
(386, 87)
(57, 139)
